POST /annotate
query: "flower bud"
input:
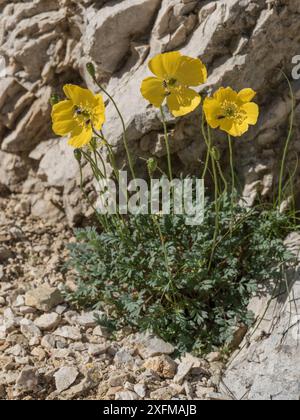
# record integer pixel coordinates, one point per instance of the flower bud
(78, 155)
(91, 69)
(54, 99)
(152, 165)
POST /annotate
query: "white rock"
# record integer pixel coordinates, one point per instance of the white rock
(153, 346)
(47, 322)
(87, 319)
(65, 377)
(126, 396)
(100, 331)
(69, 332)
(213, 357)
(17, 351)
(19, 301)
(140, 390)
(29, 330)
(97, 349)
(3, 332)
(183, 370)
(48, 342)
(43, 298)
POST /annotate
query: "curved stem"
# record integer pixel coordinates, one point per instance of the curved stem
(287, 143)
(222, 176)
(167, 143)
(103, 222)
(123, 126)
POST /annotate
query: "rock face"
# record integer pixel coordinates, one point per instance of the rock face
(268, 365)
(47, 44)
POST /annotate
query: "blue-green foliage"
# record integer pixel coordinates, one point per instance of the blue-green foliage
(198, 306)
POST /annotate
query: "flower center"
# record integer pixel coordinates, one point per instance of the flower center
(232, 111)
(169, 84)
(82, 116)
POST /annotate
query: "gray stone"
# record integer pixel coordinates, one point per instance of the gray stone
(28, 379)
(5, 253)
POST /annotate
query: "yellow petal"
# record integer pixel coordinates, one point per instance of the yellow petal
(212, 111)
(165, 65)
(81, 138)
(62, 117)
(237, 130)
(252, 111)
(99, 113)
(190, 71)
(62, 110)
(62, 128)
(79, 96)
(182, 101)
(226, 125)
(152, 89)
(246, 95)
(226, 94)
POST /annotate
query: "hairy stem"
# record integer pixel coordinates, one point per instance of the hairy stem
(167, 143)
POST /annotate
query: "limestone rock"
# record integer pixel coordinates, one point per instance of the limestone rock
(268, 365)
(164, 366)
(71, 333)
(30, 330)
(46, 44)
(166, 393)
(47, 322)
(152, 346)
(126, 396)
(183, 370)
(65, 377)
(43, 298)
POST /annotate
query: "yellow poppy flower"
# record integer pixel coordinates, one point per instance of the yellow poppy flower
(78, 115)
(174, 73)
(231, 111)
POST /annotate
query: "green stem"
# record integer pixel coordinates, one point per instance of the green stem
(167, 144)
(231, 168)
(287, 143)
(123, 126)
(222, 177)
(217, 207)
(208, 144)
(102, 221)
